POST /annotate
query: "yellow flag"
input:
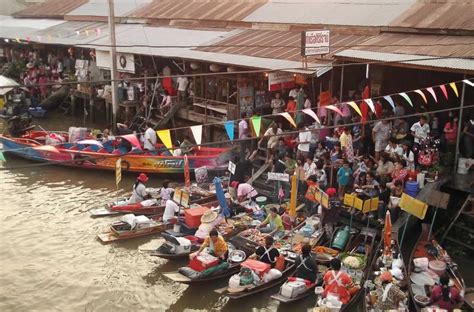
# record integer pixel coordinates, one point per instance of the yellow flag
(165, 137)
(455, 89)
(294, 194)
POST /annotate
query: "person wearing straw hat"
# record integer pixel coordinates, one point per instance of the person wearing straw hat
(139, 192)
(208, 221)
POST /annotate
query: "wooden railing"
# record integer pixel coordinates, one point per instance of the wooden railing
(228, 110)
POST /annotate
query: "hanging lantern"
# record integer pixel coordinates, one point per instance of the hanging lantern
(194, 65)
(214, 68)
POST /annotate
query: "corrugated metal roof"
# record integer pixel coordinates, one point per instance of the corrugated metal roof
(458, 14)
(222, 10)
(460, 64)
(72, 33)
(285, 45)
(330, 12)
(101, 8)
(13, 28)
(50, 9)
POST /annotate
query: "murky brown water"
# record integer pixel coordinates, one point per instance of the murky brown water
(51, 261)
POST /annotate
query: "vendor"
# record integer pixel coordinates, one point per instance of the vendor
(306, 266)
(217, 246)
(139, 192)
(389, 295)
(274, 222)
(208, 221)
(445, 296)
(267, 253)
(246, 191)
(171, 209)
(337, 282)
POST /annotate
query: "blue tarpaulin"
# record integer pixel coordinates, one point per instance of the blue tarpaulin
(221, 197)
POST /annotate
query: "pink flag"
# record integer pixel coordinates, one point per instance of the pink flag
(289, 118)
(433, 94)
(422, 95)
(310, 113)
(334, 108)
(132, 138)
(445, 92)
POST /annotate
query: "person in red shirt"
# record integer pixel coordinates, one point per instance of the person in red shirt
(444, 296)
(291, 106)
(337, 282)
(399, 172)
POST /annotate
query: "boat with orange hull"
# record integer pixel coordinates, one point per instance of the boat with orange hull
(94, 155)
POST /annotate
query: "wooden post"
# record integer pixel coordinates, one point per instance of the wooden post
(342, 82)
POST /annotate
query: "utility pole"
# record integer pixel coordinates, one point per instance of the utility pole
(113, 64)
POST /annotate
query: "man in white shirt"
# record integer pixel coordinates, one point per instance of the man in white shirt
(182, 85)
(149, 139)
(420, 130)
(293, 93)
(393, 149)
(272, 134)
(171, 208)
(304, 140)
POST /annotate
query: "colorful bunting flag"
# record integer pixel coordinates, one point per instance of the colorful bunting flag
(312, 114)
(289, 118)
(2, 157)
(422, 95)
(467, 81)
(334, 108)
(132, 138)
(445, 92)
(455, 89)
(229, 128)
(389, 99)
(197, 133)
(433, 94)
(355, 107)
(165, 137)
(406, 97)
(256, 122)
(370, 103)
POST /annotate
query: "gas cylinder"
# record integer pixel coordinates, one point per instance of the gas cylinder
(340, 240)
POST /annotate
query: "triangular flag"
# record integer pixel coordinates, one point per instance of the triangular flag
(334, 108)
(406, 97)
(132, 138)
(433, 94)
(371, 105)
(289, 118)
(197, 133)
(422, 95)
(2, 157)
(256, 122)
(455, 89)
(165, 137)
(467, 81)
(310, 112)
(229, 128)
(355, 107)
(445, 92)
(389, 99)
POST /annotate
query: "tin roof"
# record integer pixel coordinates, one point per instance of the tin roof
(50, 9)
(12, 28)
(101, 8)
(222, 10)
(438, 14)
(330, 12)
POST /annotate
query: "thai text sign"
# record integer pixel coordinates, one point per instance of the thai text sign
(276, 176)
(280, 80)
(315, 194)
(314, 42)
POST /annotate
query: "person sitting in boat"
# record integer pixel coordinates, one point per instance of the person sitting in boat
(139, 192)
(208, 222)
(171, 209)
(274, 222)
(166, 192)
(306, 266)
(389, 295)
(186, 146)
(445, 296)
(217, 246)
(246, 191)
(337, 282)
(267, 253)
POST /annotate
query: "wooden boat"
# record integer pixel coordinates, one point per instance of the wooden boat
(131, 226)
(33, 146)
(433, 251)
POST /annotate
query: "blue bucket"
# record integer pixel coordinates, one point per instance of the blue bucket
(412, 188)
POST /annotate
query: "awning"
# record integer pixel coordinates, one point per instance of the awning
(4, 82)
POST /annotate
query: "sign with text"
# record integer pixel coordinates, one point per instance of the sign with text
(231, 167)
(275, 176)
(413, 206)
(201, 174)
(185, 199)
(314, 42)
(315, 194)
(280, 80)
(118, 171)
(177, 195)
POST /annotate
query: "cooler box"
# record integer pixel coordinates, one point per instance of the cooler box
(258, 267)
(37, 112)
(203, 262)
(192, 216)
(292, 289)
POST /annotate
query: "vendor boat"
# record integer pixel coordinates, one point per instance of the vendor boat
(427, 262)
(131, 226)
(91, 154)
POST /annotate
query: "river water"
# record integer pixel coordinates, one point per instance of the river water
(51, 260)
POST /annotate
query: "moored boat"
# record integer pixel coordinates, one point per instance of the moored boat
(92, 155)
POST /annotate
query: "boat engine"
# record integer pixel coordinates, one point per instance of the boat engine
(18, 125)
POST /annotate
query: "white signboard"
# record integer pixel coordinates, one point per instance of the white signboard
(231, 167)
(201, 174)
(275, 176)
(315, 42)
(280, 80)
(125, 61)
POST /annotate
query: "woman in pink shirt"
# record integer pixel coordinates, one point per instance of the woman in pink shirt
(444, 296)
(399, 172)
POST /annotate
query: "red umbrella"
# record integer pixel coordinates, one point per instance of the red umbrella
(187, 177)
(387, 233)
